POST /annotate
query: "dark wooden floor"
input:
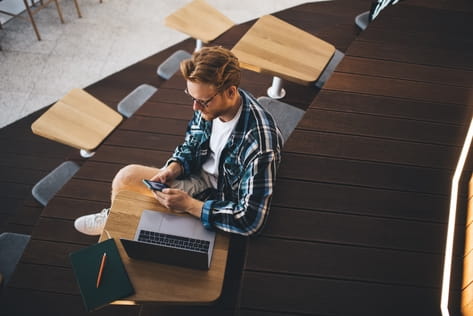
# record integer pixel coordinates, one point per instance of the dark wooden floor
(358, 220)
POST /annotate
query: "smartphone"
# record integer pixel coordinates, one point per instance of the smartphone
(155, 186)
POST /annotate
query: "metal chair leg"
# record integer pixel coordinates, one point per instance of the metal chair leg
(59, 12)
(32, 20)
(79, 14)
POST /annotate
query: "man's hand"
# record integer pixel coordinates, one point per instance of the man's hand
(168, 174)
(179, 201)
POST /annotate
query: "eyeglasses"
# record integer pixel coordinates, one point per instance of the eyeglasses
(201, 102)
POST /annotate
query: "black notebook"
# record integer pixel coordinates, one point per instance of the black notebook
(114, 283)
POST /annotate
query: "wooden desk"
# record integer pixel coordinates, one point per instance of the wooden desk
(276, 47)
(154, 282)
(199, 20)
(78, 120)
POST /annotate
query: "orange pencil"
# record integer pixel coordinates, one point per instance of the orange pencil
(102, 264)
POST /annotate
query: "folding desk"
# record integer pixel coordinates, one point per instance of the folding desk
(276, 47)
(199, 20)
(154, 282)
(78, 120)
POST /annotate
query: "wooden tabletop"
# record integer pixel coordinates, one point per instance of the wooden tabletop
(154, 282)
(199, 20)
(78, 120)
(276, 47)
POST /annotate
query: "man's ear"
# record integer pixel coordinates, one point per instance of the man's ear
(232, 91)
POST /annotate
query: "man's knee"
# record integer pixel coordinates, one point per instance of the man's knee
(126, 177)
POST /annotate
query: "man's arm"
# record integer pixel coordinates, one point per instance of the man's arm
(169, 173)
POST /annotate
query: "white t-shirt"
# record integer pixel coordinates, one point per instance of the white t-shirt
(218, 139)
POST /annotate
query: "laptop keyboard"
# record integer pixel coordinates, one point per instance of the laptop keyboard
(174, 241)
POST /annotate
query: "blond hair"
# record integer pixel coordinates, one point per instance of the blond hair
(213, 65)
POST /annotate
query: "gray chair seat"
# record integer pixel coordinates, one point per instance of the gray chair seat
(48, 186)
(135, 99)
(286, 116)
(169, 67)
(12, 246)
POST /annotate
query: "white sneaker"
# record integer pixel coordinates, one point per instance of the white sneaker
(92, 224)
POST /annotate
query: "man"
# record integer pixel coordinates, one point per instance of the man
(224, 172)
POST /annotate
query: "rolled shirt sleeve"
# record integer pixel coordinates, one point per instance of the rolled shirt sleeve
(248, 214)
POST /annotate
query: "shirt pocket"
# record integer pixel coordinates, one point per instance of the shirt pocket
(232, 173)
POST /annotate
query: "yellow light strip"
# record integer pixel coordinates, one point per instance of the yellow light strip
(447, 268)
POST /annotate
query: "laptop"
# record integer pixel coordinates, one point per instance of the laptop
(171, 239)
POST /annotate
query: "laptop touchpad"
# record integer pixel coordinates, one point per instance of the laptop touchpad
(183, 225)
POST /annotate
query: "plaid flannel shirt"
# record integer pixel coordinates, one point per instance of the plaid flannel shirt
(247, 168)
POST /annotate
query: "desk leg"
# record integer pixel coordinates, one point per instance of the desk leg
(198, 45)
(86, 154)
(276, 91)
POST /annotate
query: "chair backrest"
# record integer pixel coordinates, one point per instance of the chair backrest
(48, 186)
(12, 246)
(362, 20)
(171, 65)
(286, 116)
(135, 99)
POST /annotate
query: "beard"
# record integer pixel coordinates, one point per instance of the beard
(210, 116)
